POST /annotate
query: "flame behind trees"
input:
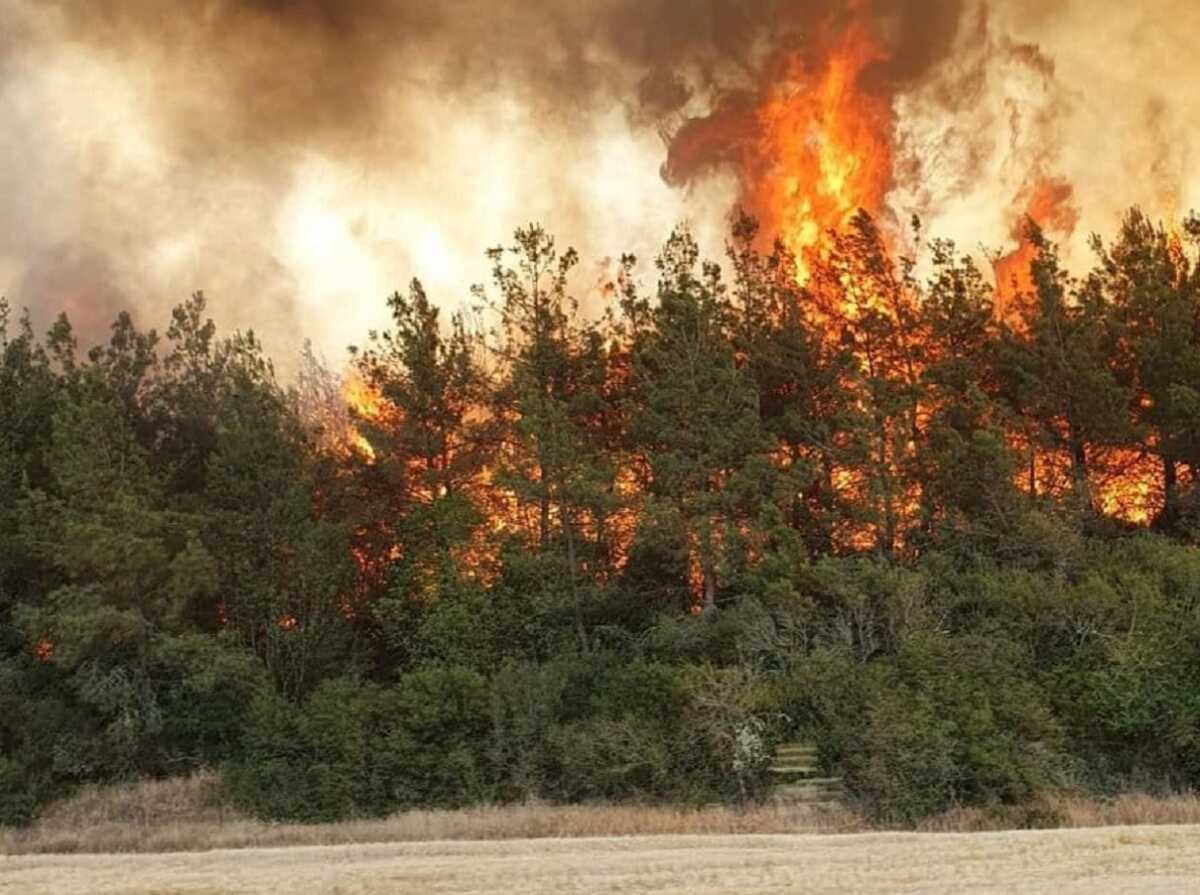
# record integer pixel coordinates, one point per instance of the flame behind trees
(723, 422)
(560, 485)
(417, 466)
(1048, 206)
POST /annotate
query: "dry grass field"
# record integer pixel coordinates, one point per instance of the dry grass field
(180, 836)
(1063, 862)
(193, 814)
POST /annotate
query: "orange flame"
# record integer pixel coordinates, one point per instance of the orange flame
(1129, 489)
(1048, 203)
(365, 403)
(826, 146)
(812, 145)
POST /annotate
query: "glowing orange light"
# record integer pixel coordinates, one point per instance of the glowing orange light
(365, 403)
(826, 146)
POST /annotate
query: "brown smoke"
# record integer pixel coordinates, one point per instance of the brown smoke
(300, 159)
(313, 71)
(221, 109)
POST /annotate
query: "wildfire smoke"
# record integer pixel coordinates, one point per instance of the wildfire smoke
(293, 157)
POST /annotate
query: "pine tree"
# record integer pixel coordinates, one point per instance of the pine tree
(871, 303)
(966, 467)
(1150, 281)
(29, 389)
(799, 374)
(125, 565)
(1055, 375)
(695, 419)
(417, 500)
(286, 575)
(550, 403)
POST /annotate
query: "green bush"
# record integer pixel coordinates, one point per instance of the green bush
(18, 800)
(613, 758)
(358, 749)
(527, 702)
(629, 736)
(433, 749)
(309, 763)
(945, 722)
(602, 727)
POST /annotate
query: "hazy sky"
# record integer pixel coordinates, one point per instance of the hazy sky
(300, 160)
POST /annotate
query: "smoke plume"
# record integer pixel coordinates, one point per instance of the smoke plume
(299, 159)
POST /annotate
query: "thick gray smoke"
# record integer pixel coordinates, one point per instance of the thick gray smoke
(298, 159)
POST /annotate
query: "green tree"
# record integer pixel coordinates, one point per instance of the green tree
(418, 497)
(872, 302)
(965, 468)
(1055, 375)
(126, 569)
(550, 402)
(1149, 280)
(695, 419)
(286, 575)
(799, 375)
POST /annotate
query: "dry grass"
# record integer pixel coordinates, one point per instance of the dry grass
(1059, 862)
(1073, 812)
(193, 814)
(1131, 810)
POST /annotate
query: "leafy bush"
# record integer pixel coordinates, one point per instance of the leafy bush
(308, 763)
(945, 722)
(359, 749)
(432, 750)
(18, 799)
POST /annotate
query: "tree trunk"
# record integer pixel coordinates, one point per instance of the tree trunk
(1170, 510)
(710, 587)
(1079, 464)
(580, 630)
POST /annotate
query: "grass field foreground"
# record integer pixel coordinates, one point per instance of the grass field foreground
(193, 814)
(1063, 862)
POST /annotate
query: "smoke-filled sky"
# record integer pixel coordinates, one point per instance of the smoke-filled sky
(300, 159)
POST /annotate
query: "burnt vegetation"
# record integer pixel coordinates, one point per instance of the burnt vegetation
(619, 556)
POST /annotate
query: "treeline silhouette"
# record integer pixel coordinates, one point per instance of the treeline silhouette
(619, 555)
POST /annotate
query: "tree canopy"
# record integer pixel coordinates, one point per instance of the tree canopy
(618, 552)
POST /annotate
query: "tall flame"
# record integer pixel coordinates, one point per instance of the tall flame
(812, 145)
(826, 145)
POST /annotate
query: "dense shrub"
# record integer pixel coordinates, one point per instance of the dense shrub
(309, 762)
(18, 797)
(944, 722)
(355, 748)
(432, 750)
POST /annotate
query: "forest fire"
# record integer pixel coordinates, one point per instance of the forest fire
(825, 149)
(814, 148)
(824, 420)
